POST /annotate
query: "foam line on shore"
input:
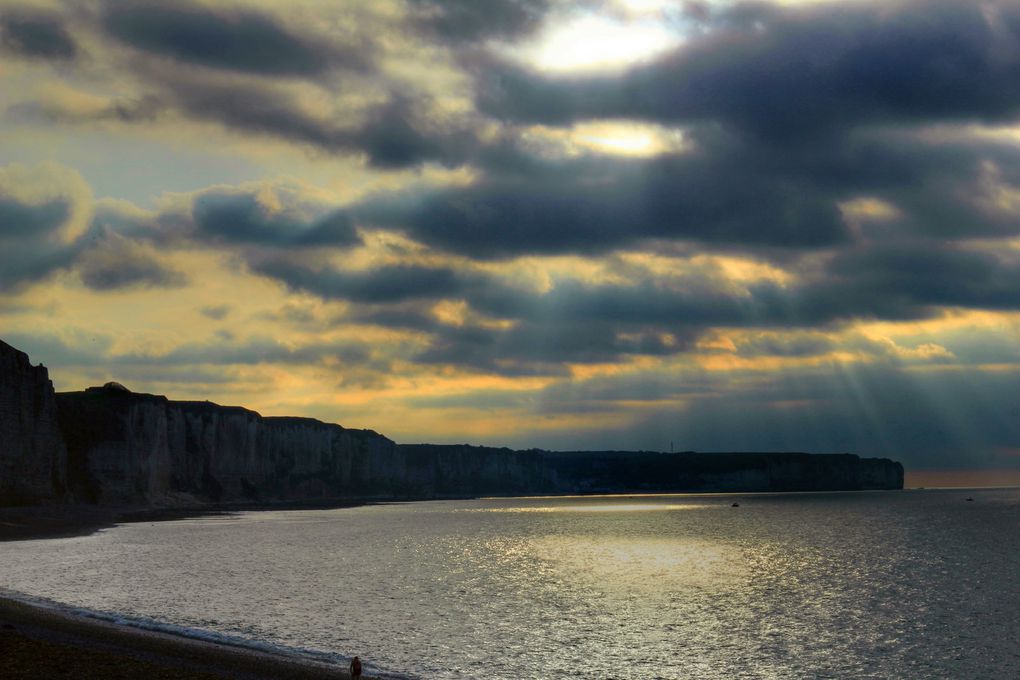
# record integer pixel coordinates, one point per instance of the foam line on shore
(144, 635)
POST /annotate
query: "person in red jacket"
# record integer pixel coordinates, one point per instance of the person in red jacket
(355, 667)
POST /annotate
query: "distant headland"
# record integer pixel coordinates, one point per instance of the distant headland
(110, 446)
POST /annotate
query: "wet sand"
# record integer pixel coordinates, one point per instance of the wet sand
(37, 643)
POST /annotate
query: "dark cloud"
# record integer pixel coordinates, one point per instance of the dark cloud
(460, 21)
(541, 348)
(216, 312)
(724, 192)
(595, 206)
(30, 249)
(37, 237)
(258, 351)
(232, 39)
(36, 35)
(19, 219)
(27, 264)
(241, 218)
(795, 73)
(400, 132)
(576, 322)
(925, 275)
(115, 262)
(387, 284)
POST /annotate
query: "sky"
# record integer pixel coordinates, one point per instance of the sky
(590, 224)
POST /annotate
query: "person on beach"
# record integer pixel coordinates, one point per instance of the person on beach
(355, 667)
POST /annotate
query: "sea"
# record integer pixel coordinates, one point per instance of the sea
(893, 584)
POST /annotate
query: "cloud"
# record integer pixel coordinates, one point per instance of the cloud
(257, 350)
(723, 192)
(401, 131)
(465, 21)
(386, 284)
(36, 35)
(46, 225)
(795, 73)
(251, 218)
(74, 107)
(25, 220)
(42, 213)
(231, 39)
(115, 262)
(592, 206)
(216, 312)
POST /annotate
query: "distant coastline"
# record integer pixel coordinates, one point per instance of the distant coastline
(108, 446)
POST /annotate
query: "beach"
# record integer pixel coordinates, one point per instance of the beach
(44, 643)
(38, 642)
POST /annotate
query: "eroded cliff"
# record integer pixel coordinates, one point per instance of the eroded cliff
(32, 455)
(125, 447)
(112, 446)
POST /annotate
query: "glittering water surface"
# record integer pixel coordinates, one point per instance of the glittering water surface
(909, 584)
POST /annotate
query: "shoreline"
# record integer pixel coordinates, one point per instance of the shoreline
(35, 522)
(38, 641)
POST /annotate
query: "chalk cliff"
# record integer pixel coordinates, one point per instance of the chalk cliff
(112, 446)
(32, 455)
(125, 447)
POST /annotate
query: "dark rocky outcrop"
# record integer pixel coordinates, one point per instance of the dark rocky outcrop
(118, 447)
(32, 456)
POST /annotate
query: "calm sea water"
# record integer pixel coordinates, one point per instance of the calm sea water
(915, 584)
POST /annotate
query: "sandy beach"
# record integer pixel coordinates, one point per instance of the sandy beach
(37, 642)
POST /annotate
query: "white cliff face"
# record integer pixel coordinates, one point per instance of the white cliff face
(32, 454)
(109, 445)
(130, 448)
(138, 448)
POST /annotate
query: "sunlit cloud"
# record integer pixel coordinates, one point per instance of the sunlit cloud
(586, 42)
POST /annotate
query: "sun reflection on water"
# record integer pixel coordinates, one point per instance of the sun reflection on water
(600, 507)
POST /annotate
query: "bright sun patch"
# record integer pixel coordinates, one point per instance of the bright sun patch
(627, 139)
(593, 42)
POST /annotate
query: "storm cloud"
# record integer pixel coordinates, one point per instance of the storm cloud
(115, 262)
(242, 218)
(790, 73)
(466, 21)
(36, 35)
(232, 39)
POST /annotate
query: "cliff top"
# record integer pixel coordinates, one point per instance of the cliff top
(116, 391)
